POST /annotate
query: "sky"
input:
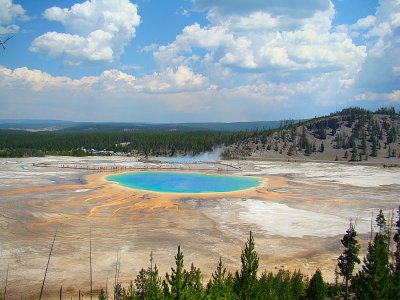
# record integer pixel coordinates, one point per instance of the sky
(196, 60)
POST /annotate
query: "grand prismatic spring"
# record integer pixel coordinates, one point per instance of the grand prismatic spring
(174, 182)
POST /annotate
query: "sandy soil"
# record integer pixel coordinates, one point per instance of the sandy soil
(298, 218)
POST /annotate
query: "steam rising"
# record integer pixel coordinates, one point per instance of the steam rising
(209, 156)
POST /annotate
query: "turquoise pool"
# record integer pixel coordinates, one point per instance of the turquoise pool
(175, 182)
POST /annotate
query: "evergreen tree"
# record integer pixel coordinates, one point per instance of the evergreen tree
(396, 267)
(322, 147)
(118, 292)
(373, 282)
(268, 287)
(221, 283)
(297, 285)
(283, 285)
(102, 295)
(334, 290)
(177, 280)
(303, 139)
(317, 289)
(291, 150)
(364, 145)
(349, 257)
(129, 294)
(381, 223)
(154, 286)
(314, 148)
(141, 282)
(374, 150)
(194, 289)
(354, 155)
(246, 280)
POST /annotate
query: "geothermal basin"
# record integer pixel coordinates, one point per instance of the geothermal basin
(298, 213)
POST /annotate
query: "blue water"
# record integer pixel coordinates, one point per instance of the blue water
(174, 182)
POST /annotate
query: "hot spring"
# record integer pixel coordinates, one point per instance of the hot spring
(175, 182)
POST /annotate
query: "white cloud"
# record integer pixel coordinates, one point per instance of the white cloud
(176, 94)
(259, 43)
(252, 59)
(96, 30)
(170, 80)
(35, 80)
(9, 13)
(183, 12)
(256, 21)
(130, 67)
(365, 23)
(149, 48)
(297, 9)
(380, 30)
(393, 96)
(383, 46)
(179, 79)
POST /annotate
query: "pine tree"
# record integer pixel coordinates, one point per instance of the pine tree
(354, 155)
(373, 282)
(154, 286)
(396, 267)
(148, 283)
(246, 280)
(118, 291)
(194, 289)
(220, 285)
(297, 285)
(317, 289)
(141, 282)
(364, 145)
(322, 147)
(349, 257)
(268, 287)
(177, 280)
(334, 290)
(129, 294)
(381, 223)
(374, 149)
(291, 150)
(102, 295)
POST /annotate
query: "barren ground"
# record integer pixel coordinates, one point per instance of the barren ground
(298, 219)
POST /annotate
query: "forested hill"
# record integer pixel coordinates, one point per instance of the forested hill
(353, 134)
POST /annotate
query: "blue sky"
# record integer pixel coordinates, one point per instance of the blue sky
(197, 60)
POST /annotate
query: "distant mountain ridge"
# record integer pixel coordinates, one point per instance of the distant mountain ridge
(70, 126)
(35, 125)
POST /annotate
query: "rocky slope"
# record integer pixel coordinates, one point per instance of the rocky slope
(353, 134)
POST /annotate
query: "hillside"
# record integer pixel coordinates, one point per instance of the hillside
(353, 134)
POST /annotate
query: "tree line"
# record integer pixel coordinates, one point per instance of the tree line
(25, 144)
